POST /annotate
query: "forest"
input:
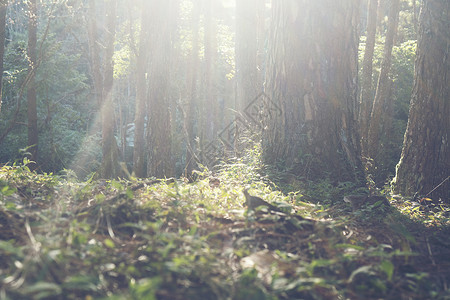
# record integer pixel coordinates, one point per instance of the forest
(224, 149)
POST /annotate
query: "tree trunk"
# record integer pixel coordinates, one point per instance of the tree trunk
(366, 78)
(139, 161)
(102, 68)
(246, 51)
(425, 160)
(383, 85)
(3, 8)
(312, 79)
(94, 53)
(31, 91)
(159, 127)
(261, 43)
(110, 162)
(191, 114)
(210, 125)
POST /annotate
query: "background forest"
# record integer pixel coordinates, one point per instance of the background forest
(219, 149)
(135, 87)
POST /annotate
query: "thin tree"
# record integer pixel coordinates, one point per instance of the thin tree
(246, 52)
(3, 9)
(383, 85)
(210, 126)
(424, 166)
(31, 89)
(366, 77)
(311, 78)
(191, 111)
(139, 161)
(103, 77)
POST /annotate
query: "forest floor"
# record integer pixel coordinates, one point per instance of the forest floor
(168, 239)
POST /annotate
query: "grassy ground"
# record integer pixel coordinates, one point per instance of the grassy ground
(168, 239)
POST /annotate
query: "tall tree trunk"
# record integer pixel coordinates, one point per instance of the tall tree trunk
(159, 127)
(366, 78)
(110, 161)
(102, 69)
(31, 91)
(139, 162)
(261, 43)
(246, 51)
(3, 8)
(312, 78)
(383, 85)
(210, 126)
(425, 160)
(94, 53)
(191, 114)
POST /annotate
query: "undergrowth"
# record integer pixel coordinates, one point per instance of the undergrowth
(168, 239)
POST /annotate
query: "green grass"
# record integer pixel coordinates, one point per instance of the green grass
(132, 239)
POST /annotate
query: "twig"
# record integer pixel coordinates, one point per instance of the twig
(437, 186)
(429, 251)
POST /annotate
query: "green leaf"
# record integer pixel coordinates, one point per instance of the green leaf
(81, 283)
(7, 190)
(388, 268)
(109, 243)
(42, 290)
(356, 247)
(146, 288)
(363, 269)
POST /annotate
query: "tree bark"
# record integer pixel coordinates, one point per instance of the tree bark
(159, 126)
(139, 161)
(246, 51)
(3, 8)
(425, 160)
(366, 78)
(31, 90)
(191, 114)
(110, 162)
(102, 68)
(210, 125)
(383, 85)
(312, 78)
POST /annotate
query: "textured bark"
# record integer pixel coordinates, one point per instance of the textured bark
(3, 8)
(94, 53)
(425, 161)
(102, 69)
(159, 127)
(210, 125)
(383, 85)
(261, 43)
(246, 51)
(312, 78)
(31, 90)
(139, 161)
(191, 114)
(366, 78)
(110, 161)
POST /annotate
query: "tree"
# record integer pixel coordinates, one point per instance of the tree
(383, 85)
(425, 160)
(102, 73)
(3, 8)
(312, 79)
(160, 163)
(210, 126)
(139, 161)
(191, 112)
(366, 78)
(31, 90)
(246, 51)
